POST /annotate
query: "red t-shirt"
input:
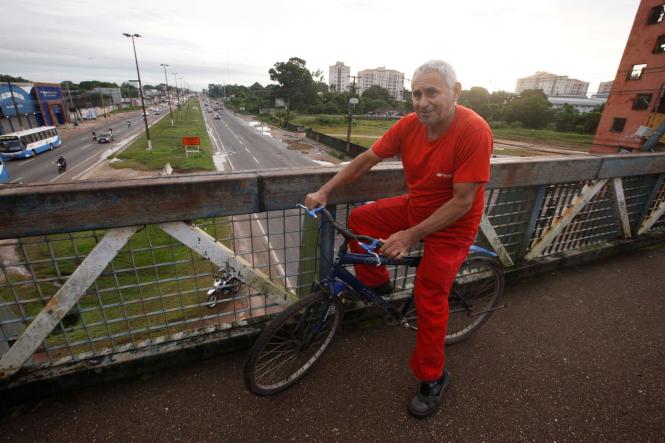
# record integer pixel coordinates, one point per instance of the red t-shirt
(461, 155)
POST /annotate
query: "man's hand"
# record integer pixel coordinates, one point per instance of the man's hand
(316, 199)
(398, 244)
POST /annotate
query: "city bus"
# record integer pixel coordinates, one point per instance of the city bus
(29, 142)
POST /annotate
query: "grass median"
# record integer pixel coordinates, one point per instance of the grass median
(167, 144)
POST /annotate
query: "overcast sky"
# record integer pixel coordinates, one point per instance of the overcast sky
(491, 44)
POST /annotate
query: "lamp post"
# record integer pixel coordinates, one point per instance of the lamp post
(168, 95)
(352, 104)
(176, 88)
(145, 118)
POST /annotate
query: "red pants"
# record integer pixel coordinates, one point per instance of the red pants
(443, 255)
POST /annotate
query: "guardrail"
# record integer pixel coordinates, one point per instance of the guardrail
(97, 273)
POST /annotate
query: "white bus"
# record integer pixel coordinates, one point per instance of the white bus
(29, 143)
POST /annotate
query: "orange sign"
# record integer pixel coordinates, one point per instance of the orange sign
(191, 141)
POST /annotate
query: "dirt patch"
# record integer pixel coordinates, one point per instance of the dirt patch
(104, 170)
(10, 257)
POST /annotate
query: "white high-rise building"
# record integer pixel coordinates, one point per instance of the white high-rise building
(389, 79)
(338, 77)
(552, 84)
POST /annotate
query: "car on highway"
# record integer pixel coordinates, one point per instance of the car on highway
(104, 137)
(217, 116)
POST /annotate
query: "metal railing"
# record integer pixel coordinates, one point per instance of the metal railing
(96, 273)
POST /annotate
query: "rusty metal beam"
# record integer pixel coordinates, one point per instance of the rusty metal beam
(490, 234)
(206, 245)
(63, 300)
(620, 201)
(56, 208)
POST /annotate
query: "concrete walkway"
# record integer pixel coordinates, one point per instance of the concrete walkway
(579, 355)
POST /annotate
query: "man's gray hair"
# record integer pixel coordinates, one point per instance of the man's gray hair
(443, 68)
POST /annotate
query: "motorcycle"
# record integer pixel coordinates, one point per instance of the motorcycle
(62, 165)
(226, 284)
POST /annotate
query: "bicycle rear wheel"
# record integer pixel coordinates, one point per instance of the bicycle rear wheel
(291, 343)
(475, 293)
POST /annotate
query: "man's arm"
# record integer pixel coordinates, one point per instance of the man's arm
(398, 244)
(351, 172)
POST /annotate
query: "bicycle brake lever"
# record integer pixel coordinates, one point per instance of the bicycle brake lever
(370, 249)
(313, 212)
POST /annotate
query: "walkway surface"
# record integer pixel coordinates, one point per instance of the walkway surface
(579, 355)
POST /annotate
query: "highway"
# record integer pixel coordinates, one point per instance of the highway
(265, 239)
(78, 148)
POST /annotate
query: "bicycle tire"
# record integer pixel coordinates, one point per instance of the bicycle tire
(480, 284)
(476, 266)
(278, 359)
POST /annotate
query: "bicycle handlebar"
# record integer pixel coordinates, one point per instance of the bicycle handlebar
(345, 232)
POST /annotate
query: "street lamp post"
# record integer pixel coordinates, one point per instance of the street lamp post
(145, 117)
(168, 95)
(352, 104)
(176, 88)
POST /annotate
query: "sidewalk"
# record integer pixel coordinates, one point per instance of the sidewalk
(578, 355)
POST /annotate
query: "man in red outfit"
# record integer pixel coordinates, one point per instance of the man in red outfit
(445, 150)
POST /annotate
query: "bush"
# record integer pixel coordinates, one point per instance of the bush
(516, 124)
(500, 124)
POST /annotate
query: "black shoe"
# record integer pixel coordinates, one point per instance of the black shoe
(427, 400)
(383, 289)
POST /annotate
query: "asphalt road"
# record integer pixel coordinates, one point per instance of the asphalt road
(78, 148)
(271, 240)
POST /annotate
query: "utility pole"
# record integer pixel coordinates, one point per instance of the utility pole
(176, 87)
(101, 98)
(353, 101)
(138, 74)
(168, 94)
(18, 116)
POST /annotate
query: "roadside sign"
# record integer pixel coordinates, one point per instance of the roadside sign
(191, 141)
(191, 144)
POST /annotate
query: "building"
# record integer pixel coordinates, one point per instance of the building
(338, 77)
(389, 79)
(604, 88)
(552, 84)
(582, 104)
(636, 104)
(28, 105)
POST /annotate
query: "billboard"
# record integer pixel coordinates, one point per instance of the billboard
(24, 101)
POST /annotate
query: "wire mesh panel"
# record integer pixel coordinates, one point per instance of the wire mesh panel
(154, 289)
(596, 222)
(509, 211)
(657, 202)
(637, 190)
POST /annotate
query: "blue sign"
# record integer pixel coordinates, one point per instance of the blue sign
(24, 101)
(47, 93)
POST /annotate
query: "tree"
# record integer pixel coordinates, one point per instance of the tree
(531, 108)
(296, 82)
(5, 78)
(478, 99)
(377, 92)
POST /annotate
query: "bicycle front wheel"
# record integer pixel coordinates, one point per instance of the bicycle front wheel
(473, 297)
(291, 343)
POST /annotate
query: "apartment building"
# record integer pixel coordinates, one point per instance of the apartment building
(552, 84)
(338, 77)
(389, 79)
(636, 102)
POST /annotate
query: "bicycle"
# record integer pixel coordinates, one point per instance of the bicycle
(296, 338)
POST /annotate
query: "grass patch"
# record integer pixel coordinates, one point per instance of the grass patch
(166, 144)
(544, 135)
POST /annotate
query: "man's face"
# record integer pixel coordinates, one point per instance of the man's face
(433, 100)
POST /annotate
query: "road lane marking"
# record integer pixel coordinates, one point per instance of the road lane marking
(255, 159)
